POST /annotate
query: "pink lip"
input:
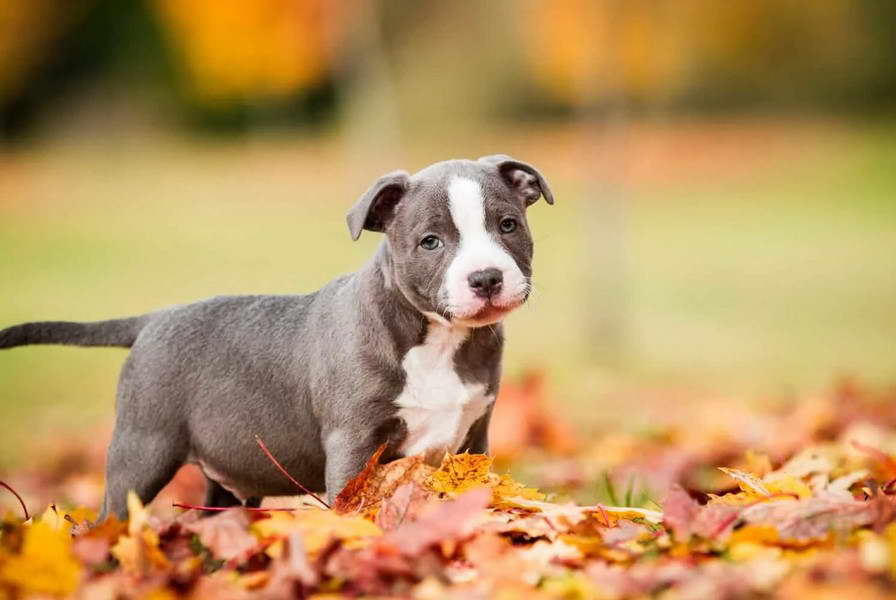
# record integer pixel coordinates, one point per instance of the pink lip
(490, 312)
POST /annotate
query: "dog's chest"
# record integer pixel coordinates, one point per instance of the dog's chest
(437, 407)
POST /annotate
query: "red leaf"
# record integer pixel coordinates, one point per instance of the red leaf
(352, 498)
(679, 512)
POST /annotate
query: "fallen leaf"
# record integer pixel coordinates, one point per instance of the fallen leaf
(787, 485)
(291, 573)
(45, 564)
(449, 521)
(748, 483)
(139, 552)
(679, 512)
(460, 473)
(358, 492)
(812, 518)
(373, 486)
(505, 489)
(225, 534)
(316, 526)
(404, 505)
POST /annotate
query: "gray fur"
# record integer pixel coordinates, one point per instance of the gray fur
(314, 375)
(117, 332)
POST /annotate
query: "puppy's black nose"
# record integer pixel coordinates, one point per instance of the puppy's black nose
(486, 283)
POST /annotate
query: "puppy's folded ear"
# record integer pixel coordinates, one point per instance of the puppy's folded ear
(522, 177)
(376, 207)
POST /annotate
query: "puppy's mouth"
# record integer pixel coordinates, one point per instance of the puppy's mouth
(489, 313)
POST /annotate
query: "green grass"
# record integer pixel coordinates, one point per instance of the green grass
(774, 279)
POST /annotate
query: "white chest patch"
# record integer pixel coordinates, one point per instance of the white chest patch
(437, 407)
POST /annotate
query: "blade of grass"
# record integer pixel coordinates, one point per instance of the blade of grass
(630, 488)
(611, 489)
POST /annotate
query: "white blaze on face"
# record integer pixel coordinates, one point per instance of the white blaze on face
(477, 250)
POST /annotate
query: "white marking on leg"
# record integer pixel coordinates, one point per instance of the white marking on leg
(477, 250)
(437, 407)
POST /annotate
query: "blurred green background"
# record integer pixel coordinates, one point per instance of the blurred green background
(725, 223)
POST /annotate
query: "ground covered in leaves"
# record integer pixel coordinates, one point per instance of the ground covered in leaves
(793, 503)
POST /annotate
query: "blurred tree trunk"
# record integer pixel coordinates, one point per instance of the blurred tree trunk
(604, 119)
(369, 110)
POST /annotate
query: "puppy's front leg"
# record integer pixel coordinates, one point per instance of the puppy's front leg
(347, 453)
(477, 438)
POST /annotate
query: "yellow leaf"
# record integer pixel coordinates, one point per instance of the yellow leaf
(874, 554)
(45, 565)
(569, 514)
(788, 484)
(629, 513)
(459, 473)
(137, 513)
(127, 553)
(53, 518)
(571, 586)
(505, 488)
(587, 545)
(762, 534)
(738, 499)
(747, 482)
(758, 463)
(140, 553)
(890, 536)
(80, 515)
(317, 527)
(747, 551)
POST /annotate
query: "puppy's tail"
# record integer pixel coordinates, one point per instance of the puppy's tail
(117, 332)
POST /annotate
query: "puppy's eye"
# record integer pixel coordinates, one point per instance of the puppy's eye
(507, 225)
(431, 242)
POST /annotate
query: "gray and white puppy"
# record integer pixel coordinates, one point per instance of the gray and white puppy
(405, 351)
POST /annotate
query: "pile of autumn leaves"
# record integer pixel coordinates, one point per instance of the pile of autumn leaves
(821, 520)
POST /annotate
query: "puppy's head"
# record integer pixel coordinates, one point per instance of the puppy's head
(460, 245)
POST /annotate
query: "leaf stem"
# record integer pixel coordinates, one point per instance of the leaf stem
(270, 456)
(223, 508)
(16, 494)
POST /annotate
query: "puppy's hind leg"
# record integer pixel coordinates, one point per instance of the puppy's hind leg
(140, 461)
(217, 496)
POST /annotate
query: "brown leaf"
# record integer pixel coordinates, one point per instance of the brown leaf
(450, 521)
(715, 520)
(352, 497)
(679, 512)
(292, 574)
(382, 481)
(813, 518)
(225, 534)
(404, 505)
